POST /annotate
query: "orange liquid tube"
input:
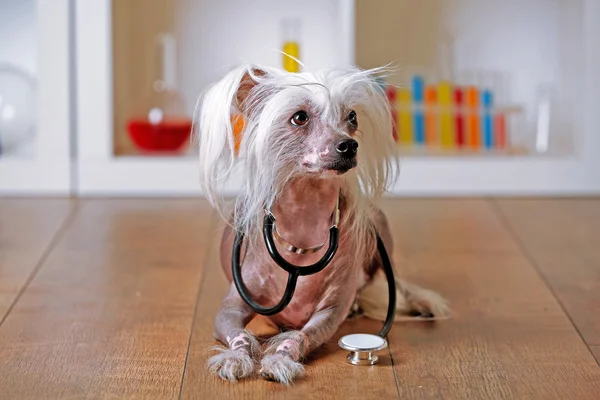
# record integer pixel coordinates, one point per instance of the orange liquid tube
(431, 125)
(237, 124)
(473, 121)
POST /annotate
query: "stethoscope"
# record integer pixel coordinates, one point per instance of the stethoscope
(361, 345)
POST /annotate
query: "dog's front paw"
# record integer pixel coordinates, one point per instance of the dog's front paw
(281, 368)
(231, 365)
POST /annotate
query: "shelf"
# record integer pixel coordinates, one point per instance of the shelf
(451, 176)
(567, 56)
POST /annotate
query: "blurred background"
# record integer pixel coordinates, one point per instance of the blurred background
(489, 97)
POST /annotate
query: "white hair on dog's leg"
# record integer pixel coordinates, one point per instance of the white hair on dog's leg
(239, 358)
(411, 300)
(284, 365)
(283, 354)
(281, 368)
(231, 365)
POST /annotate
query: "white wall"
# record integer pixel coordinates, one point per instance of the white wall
(215, 36)
(18, 34)
(538, 43)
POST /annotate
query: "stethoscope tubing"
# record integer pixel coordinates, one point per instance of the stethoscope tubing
(295, 271)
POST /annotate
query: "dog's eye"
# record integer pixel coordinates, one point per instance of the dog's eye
(352, 119)
(299, 119)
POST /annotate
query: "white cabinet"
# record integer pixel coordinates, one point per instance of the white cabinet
(35, 97)
(116, 61)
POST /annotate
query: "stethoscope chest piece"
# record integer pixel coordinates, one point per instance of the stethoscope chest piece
(362, 347)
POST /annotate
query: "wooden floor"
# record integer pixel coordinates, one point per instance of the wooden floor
(116, 299)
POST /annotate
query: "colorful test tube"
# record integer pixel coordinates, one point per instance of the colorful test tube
(446, 123)
(431, 128)
(473, 124)
(390, 91)
(459, 120)
(500, 131)
(405, 126)
(419, 119)
(487, 122)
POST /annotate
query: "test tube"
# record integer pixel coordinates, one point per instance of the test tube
(291, 47)
(500, 131)
(405, 126)
(473, 124)
(431, 128)
(390, 92)
(445, 108)
(419, 120)
(487, 122)
(459, 121)
(237, 124)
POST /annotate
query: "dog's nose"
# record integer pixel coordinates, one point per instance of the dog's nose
(347, 148)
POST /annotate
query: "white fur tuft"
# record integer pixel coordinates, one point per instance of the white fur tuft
(231, 365)
(281, 368)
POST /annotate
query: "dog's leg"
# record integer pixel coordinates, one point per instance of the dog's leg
(411, 300)
(238, 359)
(288, 348)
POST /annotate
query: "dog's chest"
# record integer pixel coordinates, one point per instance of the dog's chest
(306, 298)
(334, 286)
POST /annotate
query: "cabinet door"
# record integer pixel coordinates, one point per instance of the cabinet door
(35, 125)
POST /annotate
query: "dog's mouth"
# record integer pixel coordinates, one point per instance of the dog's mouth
(341, 166)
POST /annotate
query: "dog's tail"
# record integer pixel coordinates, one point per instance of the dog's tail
(412, 301)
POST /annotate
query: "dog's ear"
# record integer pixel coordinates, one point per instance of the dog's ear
(213, 126)
(248, 82)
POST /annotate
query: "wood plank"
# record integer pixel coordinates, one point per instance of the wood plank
(508, 337)
(430, 226)
(596, 352)
(328, 375)
(563, 237)
(27, 228)
(109, 315)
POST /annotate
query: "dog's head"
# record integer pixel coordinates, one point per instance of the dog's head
(334, 124)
